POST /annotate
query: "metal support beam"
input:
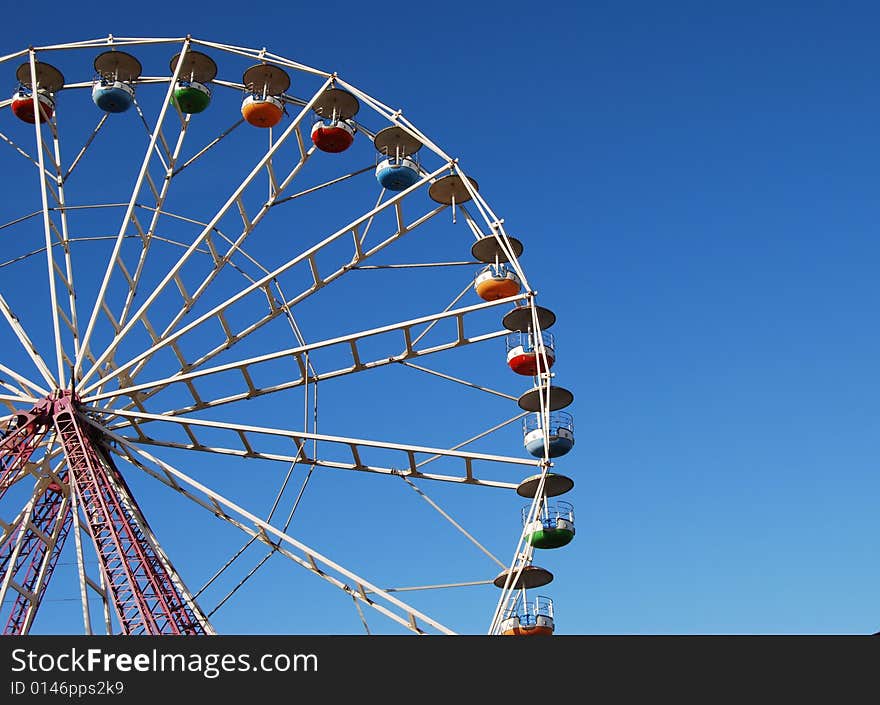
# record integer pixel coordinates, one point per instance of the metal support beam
(148, 596)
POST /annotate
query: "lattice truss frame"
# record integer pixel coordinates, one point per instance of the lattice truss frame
(80, 409)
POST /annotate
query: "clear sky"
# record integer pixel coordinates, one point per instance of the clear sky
(695, 186)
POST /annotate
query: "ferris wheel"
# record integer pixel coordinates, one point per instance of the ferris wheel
(196, 239)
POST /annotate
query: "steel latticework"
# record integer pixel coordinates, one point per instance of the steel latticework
(147, 596)
(29, 556)
(23, 435)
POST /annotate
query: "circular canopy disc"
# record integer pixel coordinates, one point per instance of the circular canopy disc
(273, 78)
(395, 140)
(338, 101)
(531, 577)
(554, 485)
(520, 319)
(486, 249)
(196, 67)
(118, 65)
(451, 188)
(48, 76)
(559, 399)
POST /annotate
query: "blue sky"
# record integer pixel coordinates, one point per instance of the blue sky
(694, 187)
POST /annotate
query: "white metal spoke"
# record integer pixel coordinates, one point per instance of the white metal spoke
(29, 388)
(413, 265)
(458, 380)
(18, 393)
(114, 257)
(151, 229)
(204, 150)
(235, 247)
(246, 368)
(485, 433)
(21, 151)
(431, 325)
(173, 273)
(50, 260)
(260, 286)
(452, 521)
(324, 185)
(249, 224)
(66, 277)
(246, 441)
(85, 147)
(226, 260)
(16, 398)
(413, 588)
(283, 543)
(156, 146)
(17, 527)
(127, 380)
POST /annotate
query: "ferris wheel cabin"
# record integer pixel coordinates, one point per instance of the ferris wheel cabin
(191, 93)
(334, 131)
(554, 528)
(113, 88)
(263, 105)
(49, 81)
(496, 280)
(528, 618)
(333, 137)
(560, 434)
(525, 357)
(399, 169)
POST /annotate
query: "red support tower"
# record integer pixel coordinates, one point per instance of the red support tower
(147, 594)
